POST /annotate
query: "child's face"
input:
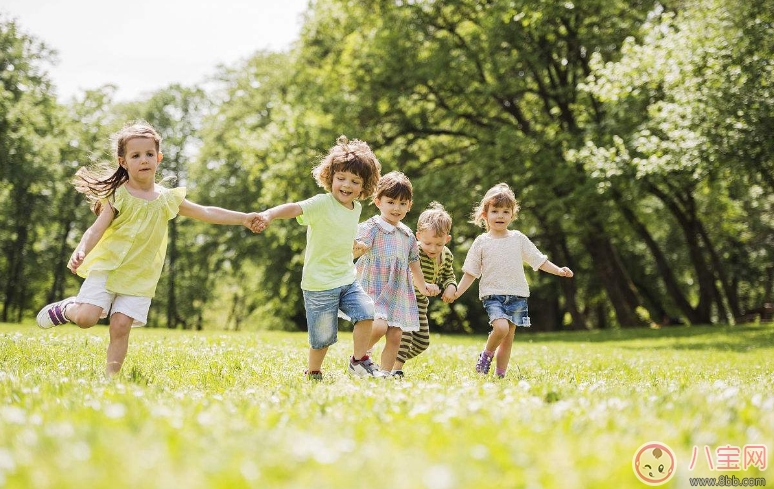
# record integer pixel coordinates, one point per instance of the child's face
(393, 210)
(141, 159)
(431, 243)
(498, 218)
(346, 187)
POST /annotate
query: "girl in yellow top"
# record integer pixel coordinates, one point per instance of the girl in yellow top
(121, 255)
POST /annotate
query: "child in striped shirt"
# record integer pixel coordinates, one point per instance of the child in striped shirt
(433, 228)
(388, 264)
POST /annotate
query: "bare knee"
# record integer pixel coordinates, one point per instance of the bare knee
(500, 326)
(394, 335)
(85, 315)
(380, 327)
(120, 326)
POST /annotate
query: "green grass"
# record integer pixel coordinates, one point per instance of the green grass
(231, 410)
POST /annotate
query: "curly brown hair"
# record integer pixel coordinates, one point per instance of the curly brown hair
(500, 195)
(101, 181)
(351, 156)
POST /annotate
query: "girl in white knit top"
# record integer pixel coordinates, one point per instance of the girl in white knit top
(503, 288)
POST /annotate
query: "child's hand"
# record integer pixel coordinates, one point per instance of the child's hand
(252, 221)
(257, 221)
(449, 294)
(359, 248)
(432, 290)
(565, 272)
(75, 260)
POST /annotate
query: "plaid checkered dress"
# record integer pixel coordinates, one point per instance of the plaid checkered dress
(383, 271)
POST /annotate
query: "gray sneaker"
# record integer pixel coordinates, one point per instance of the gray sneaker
(364, 368)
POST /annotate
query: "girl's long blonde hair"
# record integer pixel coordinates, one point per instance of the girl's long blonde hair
(500, 195)
(100, 182)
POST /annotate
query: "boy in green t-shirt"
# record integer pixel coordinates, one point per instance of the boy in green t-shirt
(349, 172)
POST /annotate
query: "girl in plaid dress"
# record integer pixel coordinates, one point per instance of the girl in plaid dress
(389, 265)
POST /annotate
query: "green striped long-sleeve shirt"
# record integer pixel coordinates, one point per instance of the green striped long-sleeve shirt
(440, 274)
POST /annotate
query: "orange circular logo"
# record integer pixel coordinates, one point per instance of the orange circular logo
(654, 463)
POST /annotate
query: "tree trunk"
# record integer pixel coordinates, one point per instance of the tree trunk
(614, 278)
(62, 257)
(664, 270)
(557, 246)
(720, 269)
(171, 297)
(658, 313)
(704, 277)
(15, 255)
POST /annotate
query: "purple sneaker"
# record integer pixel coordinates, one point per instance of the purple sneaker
(53, 314)
(484, 362)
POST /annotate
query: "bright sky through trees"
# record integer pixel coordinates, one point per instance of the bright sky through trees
(144, 45)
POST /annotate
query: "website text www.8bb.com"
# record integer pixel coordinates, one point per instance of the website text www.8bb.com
(727, 481)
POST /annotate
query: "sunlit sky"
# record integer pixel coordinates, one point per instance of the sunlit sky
(144, 45)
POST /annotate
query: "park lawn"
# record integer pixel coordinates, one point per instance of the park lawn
(230, 410)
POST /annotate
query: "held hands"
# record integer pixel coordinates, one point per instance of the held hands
(359, 248)
(565, 272)
(432, 290)
(450, 294)
(75, 260)
(256, 222)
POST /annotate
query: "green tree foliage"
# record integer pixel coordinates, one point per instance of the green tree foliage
(637, 137)
(686, 140)
(30, 142)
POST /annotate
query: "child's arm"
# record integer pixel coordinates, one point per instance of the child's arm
(91, 237)
(465, 283)
(284, 211)
(218, 215)
(449, 281)
(364, 239)
(419, 279)
(549, 267)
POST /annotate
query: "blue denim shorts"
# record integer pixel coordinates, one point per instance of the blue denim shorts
(510, 307)
(322, 308)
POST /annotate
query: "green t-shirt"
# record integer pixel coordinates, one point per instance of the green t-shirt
(329, 238)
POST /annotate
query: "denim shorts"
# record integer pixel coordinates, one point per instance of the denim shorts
(322, 308)
(510, 307)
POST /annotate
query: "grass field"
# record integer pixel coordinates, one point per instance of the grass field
(232, 410)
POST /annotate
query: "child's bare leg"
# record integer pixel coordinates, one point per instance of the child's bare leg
(378, 330)
(398, 365)
(391, 345)
(82, 314)
(504, 351)
(120, 326)
(499, 332)
(316, 358)
(361, 335)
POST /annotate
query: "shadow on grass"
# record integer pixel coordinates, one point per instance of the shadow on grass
(740, 337)
(717, 346)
